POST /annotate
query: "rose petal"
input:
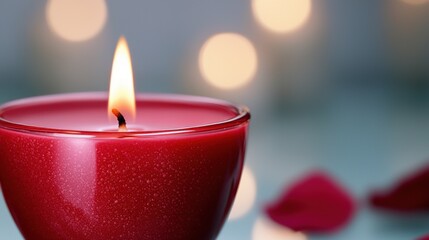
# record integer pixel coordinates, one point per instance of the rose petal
(316, 203)
(410, 194)
(424, 238)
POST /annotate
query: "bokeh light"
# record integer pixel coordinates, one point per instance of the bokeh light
(265, 229)
(228, 60)
(246, 195)
(76, 20)
(415, 2)
(281, 16)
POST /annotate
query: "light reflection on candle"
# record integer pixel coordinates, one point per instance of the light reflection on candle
(228, 60)
(121, 92)
(76, 174)
(76, 20)
(265, 229)
(246, 195)
(281, 16)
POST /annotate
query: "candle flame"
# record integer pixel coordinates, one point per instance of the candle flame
(121, 93)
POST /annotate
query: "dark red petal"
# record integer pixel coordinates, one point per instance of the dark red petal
(315, 204)
(410, 194)
(424, 238)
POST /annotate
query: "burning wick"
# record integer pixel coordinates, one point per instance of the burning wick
(121, 120)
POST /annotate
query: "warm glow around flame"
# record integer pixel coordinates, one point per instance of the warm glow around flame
(121, 93)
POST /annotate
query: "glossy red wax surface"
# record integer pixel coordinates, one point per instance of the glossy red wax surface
(163, 184)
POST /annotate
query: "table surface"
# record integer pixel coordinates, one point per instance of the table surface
(362, 138)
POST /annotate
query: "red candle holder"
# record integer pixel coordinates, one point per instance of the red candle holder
(66, 173)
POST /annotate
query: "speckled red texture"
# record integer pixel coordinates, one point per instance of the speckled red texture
(154, 188)
(314, 204)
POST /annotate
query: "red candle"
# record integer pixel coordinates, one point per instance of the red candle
(66, 172)
(64, 176)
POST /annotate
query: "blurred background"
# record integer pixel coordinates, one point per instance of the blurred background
(339, 85)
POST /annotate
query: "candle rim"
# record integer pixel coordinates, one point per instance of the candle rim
(242, 116)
